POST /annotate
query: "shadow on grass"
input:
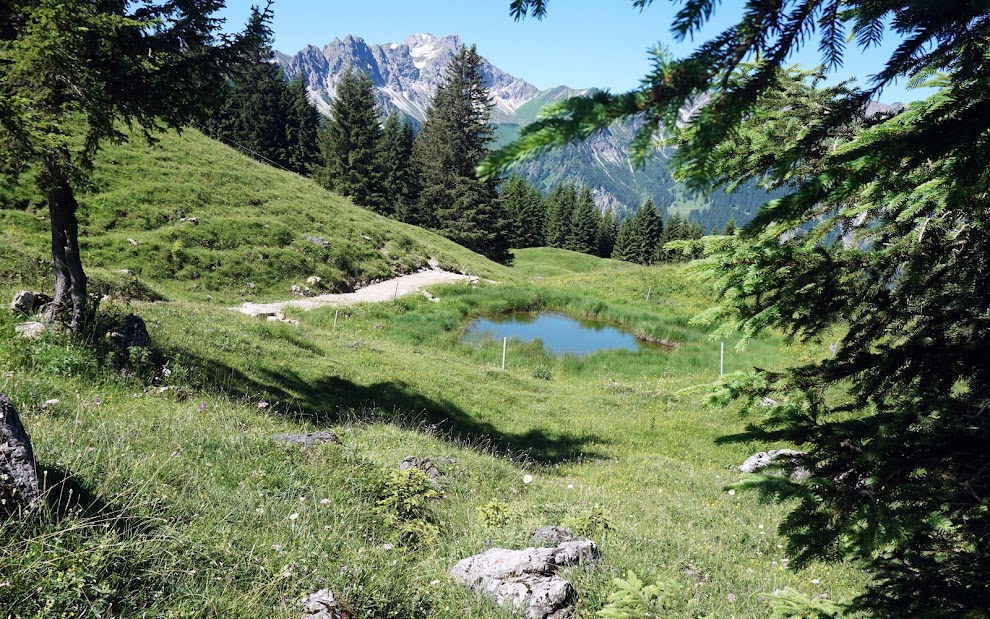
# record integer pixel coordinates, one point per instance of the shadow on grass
(331, 399)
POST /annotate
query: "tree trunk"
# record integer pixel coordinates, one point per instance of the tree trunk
(70, 304)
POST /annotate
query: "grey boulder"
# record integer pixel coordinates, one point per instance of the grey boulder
(323, 604)
(18, 479)
(527, 579)
(309, 438)
(27, 302)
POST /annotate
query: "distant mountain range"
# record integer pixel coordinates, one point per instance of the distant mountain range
(406, 76)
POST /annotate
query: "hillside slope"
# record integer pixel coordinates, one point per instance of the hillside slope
(194, 217)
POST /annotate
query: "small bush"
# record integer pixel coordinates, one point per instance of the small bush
(404, 506)
(593, 521)
(496, 513)
(631, 598)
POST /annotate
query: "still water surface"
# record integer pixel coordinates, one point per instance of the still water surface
(560, 333)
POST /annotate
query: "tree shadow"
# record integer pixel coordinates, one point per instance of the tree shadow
(64, 496)
(332, 399)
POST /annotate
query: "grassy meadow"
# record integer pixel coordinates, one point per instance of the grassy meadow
(167, 496)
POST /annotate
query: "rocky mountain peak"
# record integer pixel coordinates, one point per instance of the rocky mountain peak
(406, 75)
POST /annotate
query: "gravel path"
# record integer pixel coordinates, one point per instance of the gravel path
(382, 291)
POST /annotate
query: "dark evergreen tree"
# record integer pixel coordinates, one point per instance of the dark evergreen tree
(394, 153)
(675, 229)
(583, 230)
(894, 427)
(453, 141)
(350, 142)
(302, 129)
(608, 230)
(626, 246)
(560, 208)
(252, 115)
(531, 223)
(730, 227)
(649, 232)
(524, 207)
(74, 73)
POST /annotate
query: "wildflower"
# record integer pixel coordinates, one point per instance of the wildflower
(527, 479)
(293, 515)
(48, 403)
(286, 574)
(815, 581)
(570, 486)
(388, 546)
(166, 372)
(202, 406)
(276, 547)
(434, 582)
(262, 404)
(97, 401)
(324, 501)
(9, 375)
(343, 568)
(731, 492)
(731, 597)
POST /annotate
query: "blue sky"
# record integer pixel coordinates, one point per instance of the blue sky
(581, 43)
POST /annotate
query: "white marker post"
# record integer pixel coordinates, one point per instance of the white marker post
(721, 361)
(396, 295)
(648, 293)
(505, 342)
(336, 312)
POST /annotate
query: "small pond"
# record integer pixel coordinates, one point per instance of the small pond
(559, 333)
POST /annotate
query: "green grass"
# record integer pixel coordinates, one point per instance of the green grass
(179, 504)
(253, 239)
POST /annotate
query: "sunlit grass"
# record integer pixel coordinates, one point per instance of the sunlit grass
(182, 505)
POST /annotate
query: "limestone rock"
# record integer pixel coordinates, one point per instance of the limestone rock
(318, 241)
(526, 579)
(27, 302)
(313, 280)
(30, 330)
(428, 466)
(551, 536)
(764, 459)
(323, 604)
(309, 438)
(18, 479)
(131, 334)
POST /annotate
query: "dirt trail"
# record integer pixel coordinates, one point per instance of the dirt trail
(382, 291)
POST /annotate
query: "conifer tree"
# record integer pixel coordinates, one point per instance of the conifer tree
(583, 230)
(523, 206)
(73, 74)
(252, 115)
(453, 141)
(350, 142)
(560, 208)
(394, 153)
(608, 230)
(893, 427)
(649, 231)
(302, 129)
(676, 229)
(626, 247)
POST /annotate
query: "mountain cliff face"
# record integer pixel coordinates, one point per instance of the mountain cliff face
(407, 74)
